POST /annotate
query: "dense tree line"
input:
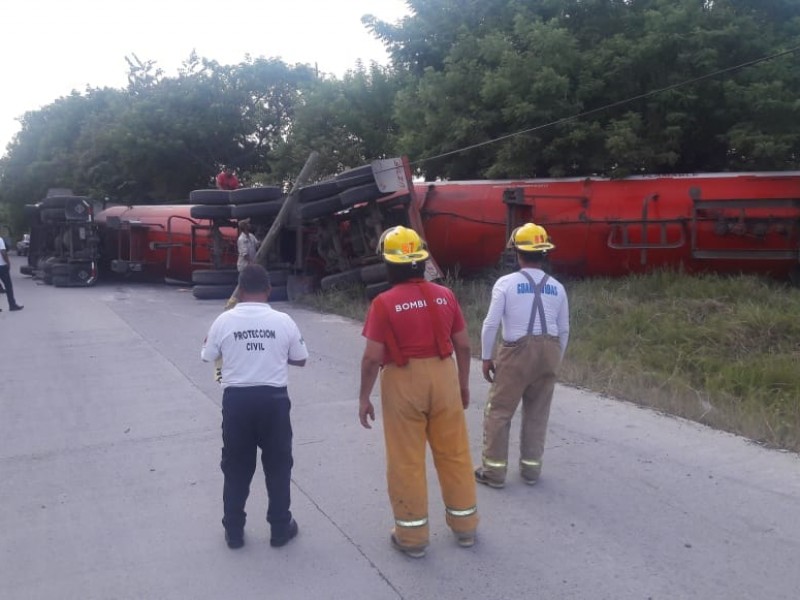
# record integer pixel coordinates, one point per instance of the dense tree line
(463, 73)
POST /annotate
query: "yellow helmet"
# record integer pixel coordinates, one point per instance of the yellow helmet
(401, 245)
(530, 238)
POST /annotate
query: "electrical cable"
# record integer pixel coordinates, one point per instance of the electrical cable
(611, 105)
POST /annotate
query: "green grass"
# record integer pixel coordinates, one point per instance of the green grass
(724, 351)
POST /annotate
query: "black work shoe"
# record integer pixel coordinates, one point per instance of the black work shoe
(234, 540)
(480, 477)
(17, 307)
(278, 541)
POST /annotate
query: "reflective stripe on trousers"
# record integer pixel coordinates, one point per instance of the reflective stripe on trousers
(421, 404)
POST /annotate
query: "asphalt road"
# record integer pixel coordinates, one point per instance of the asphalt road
(110, 485)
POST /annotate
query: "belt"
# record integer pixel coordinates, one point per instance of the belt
(553, 338)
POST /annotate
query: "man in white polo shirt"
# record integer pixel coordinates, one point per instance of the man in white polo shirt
(257, 344)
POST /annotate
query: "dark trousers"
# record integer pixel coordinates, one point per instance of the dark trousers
(256, 417)
(5, 277)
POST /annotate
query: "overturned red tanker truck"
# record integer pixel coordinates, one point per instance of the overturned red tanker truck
(726, 223)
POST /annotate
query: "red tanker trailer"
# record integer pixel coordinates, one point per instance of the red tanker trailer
(727, 223)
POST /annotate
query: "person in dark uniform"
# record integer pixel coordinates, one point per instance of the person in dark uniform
(5, 278)
(256, 344)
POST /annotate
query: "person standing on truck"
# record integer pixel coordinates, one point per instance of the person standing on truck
(227, 180)
(247, 245)
(412, 331)
(5, 277)
(257, 345)
(533, 310)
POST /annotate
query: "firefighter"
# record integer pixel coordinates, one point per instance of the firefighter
(412, 332)
(534, 312)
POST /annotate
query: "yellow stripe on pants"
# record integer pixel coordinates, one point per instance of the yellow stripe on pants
(421, 403)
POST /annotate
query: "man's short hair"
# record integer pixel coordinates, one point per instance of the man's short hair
(400, 272)
(254, 279)
(532, 257)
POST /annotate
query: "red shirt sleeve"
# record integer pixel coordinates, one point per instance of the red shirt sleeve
(374, 326)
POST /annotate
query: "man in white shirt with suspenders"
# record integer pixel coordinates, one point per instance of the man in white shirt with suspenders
(533, 309)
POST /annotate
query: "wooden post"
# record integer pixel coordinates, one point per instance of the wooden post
(263, 250)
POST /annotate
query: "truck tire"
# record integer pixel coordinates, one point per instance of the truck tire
(321, 208)
(374, 273)
(211, 212)
(209, 197)
(376, 288)
(215, 277)
(213, 292)
(361, 193)
(261, 210)
(317, 191)
(354, 177)
(255, 194)
(342, 279)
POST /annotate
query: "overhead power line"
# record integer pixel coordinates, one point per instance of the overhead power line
(612, 105)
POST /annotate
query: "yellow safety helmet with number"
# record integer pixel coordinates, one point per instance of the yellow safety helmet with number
(400, 245)
(530, 238)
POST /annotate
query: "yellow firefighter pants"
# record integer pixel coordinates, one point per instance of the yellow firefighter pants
(422, 402)
(525, 369)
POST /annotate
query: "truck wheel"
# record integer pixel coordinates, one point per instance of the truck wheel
(354, 177)
(317, 191)
(209, 197)
(213, 292)
(374, 273)
(344, 278)
(376, 288)
(321, 208)
(215, 277)
(255, 194)
(362, 193)
(260, 210)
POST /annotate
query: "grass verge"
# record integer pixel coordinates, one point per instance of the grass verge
(723, 351)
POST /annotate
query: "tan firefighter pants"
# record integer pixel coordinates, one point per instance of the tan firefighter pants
(525, 369)
(421, 402)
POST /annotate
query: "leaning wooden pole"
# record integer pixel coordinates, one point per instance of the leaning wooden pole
(263, 250)
(261, 256)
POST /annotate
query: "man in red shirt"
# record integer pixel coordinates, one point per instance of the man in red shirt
(412, 331)
(226, 180)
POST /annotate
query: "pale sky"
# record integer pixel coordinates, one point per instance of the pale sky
(50, 47)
